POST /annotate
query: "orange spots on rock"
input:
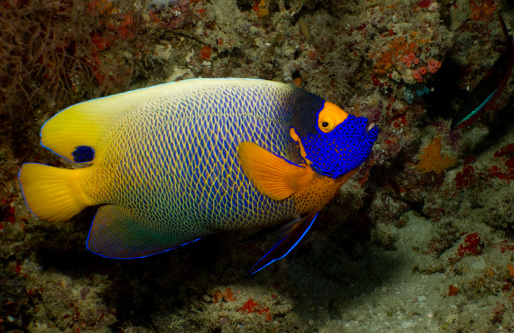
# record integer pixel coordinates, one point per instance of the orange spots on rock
(452, 290)
(205, 53)
(127, 27)
(228, 295)
(431, 159)
(472, 245)
(511, 270)
(482, 10)
(102, 7)
(101, 43)
(394, 52)
(253, 307)
(249, 306)
(262, 8)
(399, 121)
(217, 297)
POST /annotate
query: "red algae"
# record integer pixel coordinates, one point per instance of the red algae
(253, 307)
(424, 3)
(473, 245)
(249, 306)
(506, 153)
(228, 295)
(205, 53)
(452, 290)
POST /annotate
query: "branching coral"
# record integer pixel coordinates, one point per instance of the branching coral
(50, 54)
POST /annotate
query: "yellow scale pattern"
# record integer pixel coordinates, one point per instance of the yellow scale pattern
(173, 161)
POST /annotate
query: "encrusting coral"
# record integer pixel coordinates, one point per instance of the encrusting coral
(431, 159)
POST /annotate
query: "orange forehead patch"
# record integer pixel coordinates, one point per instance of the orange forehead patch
(332, 114)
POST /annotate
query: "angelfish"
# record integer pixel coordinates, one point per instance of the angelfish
(173, 163)
(489, 88)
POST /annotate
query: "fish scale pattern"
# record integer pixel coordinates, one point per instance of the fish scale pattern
(173, 161)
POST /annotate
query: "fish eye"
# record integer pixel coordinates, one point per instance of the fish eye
(327, 124)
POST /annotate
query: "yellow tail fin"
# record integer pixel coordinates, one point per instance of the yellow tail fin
(52, 193)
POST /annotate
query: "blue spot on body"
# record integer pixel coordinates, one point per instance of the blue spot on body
(83, 154)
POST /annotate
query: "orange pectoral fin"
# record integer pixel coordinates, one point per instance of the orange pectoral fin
(272, 175)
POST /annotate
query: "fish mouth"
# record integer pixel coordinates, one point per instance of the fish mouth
(369, 126)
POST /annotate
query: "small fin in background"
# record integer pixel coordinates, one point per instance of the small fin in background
(504, 28)
(116, 233)
(51, 192)
(290, 235)
(272, 175)
(84, 124)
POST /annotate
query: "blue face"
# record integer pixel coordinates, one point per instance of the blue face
(343, 149)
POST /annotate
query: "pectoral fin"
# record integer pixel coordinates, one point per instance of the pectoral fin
(290, 235)
(272, 175)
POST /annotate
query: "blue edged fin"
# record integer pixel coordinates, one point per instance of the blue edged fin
(290, 235)
(116, 233)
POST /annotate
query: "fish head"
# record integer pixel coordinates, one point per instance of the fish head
(339, 143)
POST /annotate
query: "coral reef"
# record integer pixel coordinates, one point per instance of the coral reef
(420, 239)
(51, 53)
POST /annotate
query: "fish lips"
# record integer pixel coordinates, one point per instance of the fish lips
(345, 148)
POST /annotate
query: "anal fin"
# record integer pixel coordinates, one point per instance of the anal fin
(289, 236)
(117, 233)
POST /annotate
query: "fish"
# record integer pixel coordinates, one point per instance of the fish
(173, 163)
(489, 88)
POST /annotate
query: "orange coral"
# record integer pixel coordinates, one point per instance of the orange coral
(395, 50)
(452, 290)
(263, 8)
(431, 159)
(511, 270)
(482, 10)
(228, 295)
